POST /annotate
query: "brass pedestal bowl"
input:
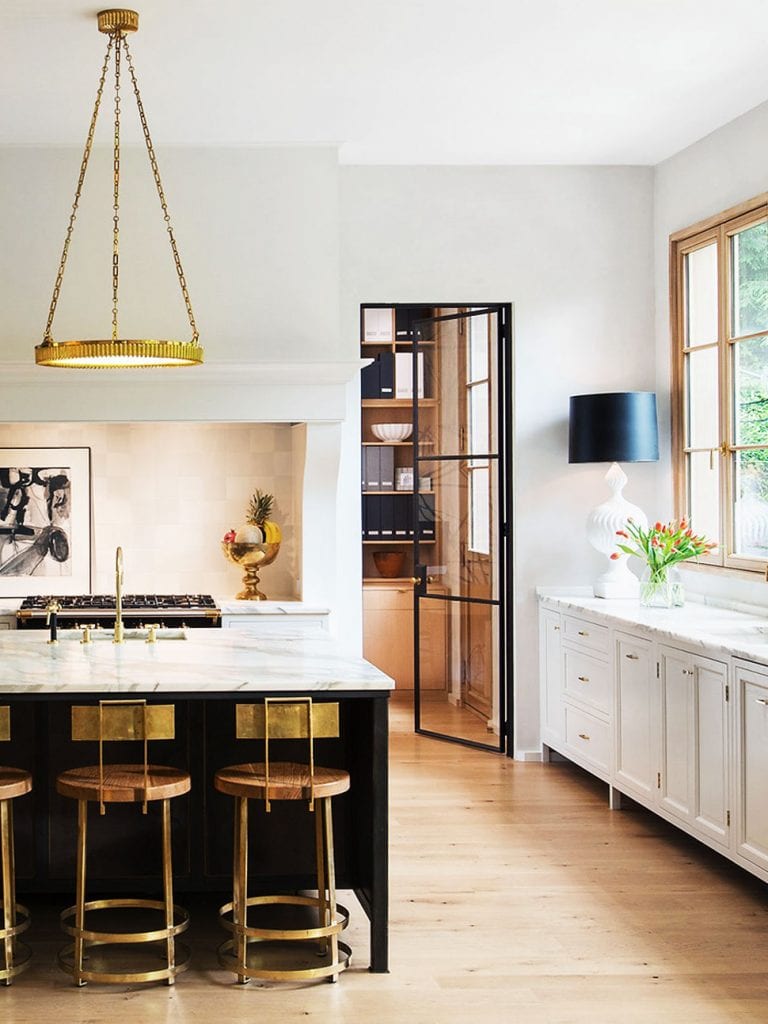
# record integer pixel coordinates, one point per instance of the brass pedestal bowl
(252, 558)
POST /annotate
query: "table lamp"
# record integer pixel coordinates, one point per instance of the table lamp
(613, 427)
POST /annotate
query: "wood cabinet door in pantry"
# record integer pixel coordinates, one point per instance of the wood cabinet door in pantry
(388, 636)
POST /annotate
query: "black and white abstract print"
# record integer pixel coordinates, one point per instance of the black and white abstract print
(35, 521)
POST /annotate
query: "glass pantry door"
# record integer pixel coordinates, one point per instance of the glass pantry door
(461, 363)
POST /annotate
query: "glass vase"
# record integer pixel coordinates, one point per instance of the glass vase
(661, 589)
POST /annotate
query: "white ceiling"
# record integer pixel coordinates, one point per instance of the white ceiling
(401, 81)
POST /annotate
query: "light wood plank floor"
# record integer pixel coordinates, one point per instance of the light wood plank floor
(516, 896)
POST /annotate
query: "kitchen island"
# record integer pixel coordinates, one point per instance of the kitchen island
(204, 673)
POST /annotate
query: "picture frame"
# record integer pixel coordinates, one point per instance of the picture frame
(45, 521)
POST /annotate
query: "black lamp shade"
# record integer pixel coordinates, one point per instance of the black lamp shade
(615, 427)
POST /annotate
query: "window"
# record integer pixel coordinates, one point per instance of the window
(719, 292)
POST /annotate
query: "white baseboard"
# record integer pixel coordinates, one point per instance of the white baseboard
(527, 755)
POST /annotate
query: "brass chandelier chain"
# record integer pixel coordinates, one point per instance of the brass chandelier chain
(47, 337)
(161, 193)
(116, 190)
(117, 352)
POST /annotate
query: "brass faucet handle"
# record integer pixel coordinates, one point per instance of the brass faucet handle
(52, 608)
(153, 628)
(87, 633)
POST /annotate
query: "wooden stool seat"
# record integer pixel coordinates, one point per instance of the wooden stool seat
(287, 781)
(123, 783)
(14, 782)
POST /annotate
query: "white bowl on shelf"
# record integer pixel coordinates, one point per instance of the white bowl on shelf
(392, 432)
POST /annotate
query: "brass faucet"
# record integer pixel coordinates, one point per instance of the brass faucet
(118, 637)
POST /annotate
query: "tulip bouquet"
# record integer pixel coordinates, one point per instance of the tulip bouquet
(661, 546)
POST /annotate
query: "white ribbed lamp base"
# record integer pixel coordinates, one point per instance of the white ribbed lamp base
(618, 581)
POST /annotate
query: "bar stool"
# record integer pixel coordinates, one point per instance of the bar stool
(16, 919)
(120, 783)
(290, 718)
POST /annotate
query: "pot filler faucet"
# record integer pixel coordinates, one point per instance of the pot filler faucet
(118, 637)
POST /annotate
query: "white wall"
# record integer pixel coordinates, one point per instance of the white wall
(720, 171)
(572, 248)
(257, 231)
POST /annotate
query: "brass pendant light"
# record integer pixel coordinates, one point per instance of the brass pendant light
(116, 352)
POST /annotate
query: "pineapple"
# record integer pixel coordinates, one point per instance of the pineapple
(259, 528)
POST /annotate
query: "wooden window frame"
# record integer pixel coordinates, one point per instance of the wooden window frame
(719, 229)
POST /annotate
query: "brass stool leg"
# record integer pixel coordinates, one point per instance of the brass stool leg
(82, 834)
(322, 893)
(9, 894)
(331, 869)
(168, 889)
(240, 895)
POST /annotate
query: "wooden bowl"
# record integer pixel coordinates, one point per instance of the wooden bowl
(389, 563)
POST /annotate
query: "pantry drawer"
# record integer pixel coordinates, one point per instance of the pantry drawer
(587, 679)
(585, 633)
(588, 737)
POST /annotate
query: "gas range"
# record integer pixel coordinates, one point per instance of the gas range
(196, 610)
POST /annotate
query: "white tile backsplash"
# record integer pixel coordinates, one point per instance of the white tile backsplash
(167, 493)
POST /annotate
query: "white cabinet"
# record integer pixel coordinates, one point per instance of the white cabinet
(752, 761)
(7, 621)
(551, 662)
(635, 697)
(678, 723)
(576, 690)
(693, 776)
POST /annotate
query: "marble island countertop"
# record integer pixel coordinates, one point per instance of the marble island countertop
(206, 661)
(726, 630)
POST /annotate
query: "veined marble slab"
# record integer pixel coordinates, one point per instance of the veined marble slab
(727, 631)
(208, 661)
(230, 606)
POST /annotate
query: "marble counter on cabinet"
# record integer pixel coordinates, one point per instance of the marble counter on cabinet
(729, 630)
(208, 661)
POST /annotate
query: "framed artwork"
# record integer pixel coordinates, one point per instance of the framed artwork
(45, 521)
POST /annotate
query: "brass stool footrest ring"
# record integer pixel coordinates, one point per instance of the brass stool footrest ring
(230, 961)
(22, 925)
(93, 938)
(285, 934)
(66, 958)
(102, 938)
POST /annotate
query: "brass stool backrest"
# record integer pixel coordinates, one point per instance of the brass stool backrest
(113, 720)
(5, 722)
(287, 718)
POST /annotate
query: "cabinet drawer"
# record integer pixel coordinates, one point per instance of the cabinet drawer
(587, 679)
(586, 633)
(388, 599)
(587, 736)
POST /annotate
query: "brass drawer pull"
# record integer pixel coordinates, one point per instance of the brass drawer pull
(583, 679)
(583, 736)
(632, 657)
(761, 700)
(583, 632)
